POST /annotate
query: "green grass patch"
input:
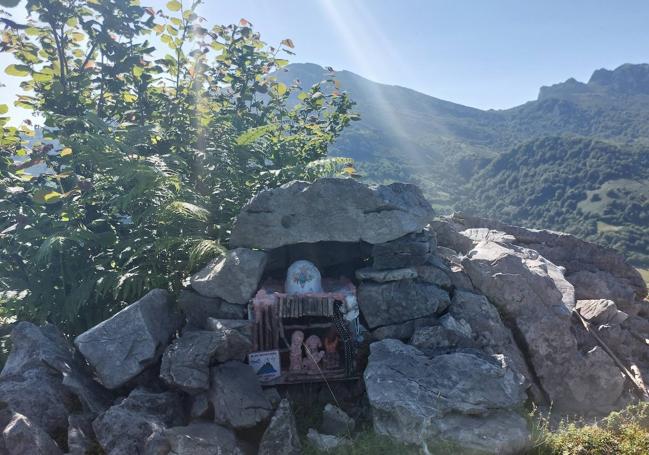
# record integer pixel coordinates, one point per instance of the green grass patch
(625, 433)
(598, 200)
(605, 227)
(367, 442)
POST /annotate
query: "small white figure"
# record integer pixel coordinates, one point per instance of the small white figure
(303, 277)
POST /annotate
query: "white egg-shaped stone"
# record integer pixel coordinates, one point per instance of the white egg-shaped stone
(303, 277)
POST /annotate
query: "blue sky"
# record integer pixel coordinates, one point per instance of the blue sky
(481, 53)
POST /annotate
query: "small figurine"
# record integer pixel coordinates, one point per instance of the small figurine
(331, 359)
(314, 356)
(296, 351)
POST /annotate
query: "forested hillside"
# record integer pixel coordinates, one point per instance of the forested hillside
(512, 164)
(588, 187)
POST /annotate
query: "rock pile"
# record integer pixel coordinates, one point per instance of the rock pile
(467, 319)
(536, 278)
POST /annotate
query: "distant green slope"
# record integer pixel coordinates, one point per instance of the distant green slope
(510, 164)
(592, 188)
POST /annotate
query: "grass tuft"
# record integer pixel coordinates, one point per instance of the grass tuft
(624, 432)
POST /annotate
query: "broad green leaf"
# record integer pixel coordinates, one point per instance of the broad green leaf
(23, 104)
(32, 31)
(41, 77)
(281, 89)
(52, 196)
(254, 134)
(17, 70)
(45, 195)
(128, 97)
(174, 5)
(4, 109)
(168, 40)
(138, 71)
(77, 37)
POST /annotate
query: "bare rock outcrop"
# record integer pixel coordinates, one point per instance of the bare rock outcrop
(233, 277)
(123, 346)
(596, 272)
(532, 294)
(459, 397)
(329, 209)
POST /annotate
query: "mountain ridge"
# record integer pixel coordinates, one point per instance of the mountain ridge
(447, 149)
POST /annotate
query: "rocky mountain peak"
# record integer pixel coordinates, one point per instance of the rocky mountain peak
(627, 79)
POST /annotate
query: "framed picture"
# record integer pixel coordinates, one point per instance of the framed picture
(266, 364)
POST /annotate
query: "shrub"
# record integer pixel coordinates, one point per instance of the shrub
(148, 152)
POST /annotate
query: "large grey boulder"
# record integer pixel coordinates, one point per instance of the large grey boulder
(589, 267)
(39, 395)
(601, 311)
(186, 362)
(273, 397)
(336, 421)
(434, 275)
(126, 427)
(197, 438)
(326, 442)
(598, 284)
(281, 436)
(123, 346)
(233, 277)
(532, 294)
(237, 397)
(488, 330)
(403, 330)
(409, 250)
(30, 382)
(42, 380)
(244, 326)
(330, 209)
(200, 406)
(399, 301)
(34, 347)
(628, 341)
(383, 276)
(437, 339)
(459, 397)
(502, 432)
(22, 436)
(599, 384)
(198, 309)
(81, 436)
